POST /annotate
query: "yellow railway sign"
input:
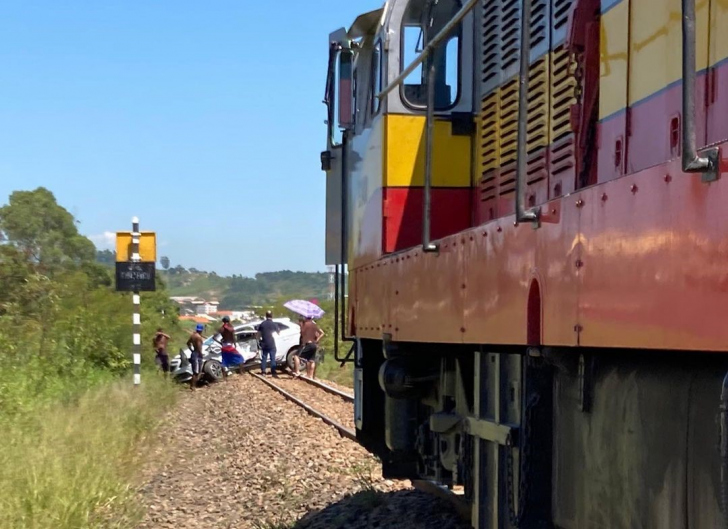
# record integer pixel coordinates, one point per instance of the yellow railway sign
(147, 246)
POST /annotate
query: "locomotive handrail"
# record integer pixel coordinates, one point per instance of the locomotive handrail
(469, 5)
(522, 214)
(427, 245)
(692, 161)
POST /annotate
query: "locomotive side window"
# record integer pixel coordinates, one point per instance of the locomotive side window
(422, 21)
(376, 79)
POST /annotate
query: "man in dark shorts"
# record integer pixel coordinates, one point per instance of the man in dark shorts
(311, 335)
(195, 342)
(230, 355)
(160, 341)
(268, 343)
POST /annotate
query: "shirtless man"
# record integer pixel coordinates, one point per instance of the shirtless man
(159, 342)
(195, 342)
(311, 335)
(230, 355)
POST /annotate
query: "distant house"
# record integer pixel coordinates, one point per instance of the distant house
(207, 307)
(199, 318)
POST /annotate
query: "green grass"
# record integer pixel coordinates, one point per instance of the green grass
(72, 465)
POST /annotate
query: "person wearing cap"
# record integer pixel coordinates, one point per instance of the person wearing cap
(195, 343)
(230, 355)
(268, 343)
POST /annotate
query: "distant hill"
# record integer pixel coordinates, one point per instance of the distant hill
(237, 291)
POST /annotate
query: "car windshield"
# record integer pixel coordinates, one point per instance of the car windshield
(211, 339)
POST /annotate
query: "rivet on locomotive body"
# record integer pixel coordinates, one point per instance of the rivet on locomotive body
(499, 229)
(578, 328)
(633, 188)
(579, 203)
(604, 197)
(579, 263)
(668, 178)
(462, 329)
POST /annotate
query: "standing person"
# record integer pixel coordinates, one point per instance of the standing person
(160, 342)
(230, 355)
(268, 343)
(311, 335)
(195, 342)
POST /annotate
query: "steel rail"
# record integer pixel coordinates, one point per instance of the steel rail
(343, 431)
(428, 487)
(348, 397)
(434, 489)
(444, 32)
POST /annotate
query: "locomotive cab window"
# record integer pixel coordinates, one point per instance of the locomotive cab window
(376, 77)
(422, 21)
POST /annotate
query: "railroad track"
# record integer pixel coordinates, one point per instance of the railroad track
(428, 487)
(347, 397)
(343, 430)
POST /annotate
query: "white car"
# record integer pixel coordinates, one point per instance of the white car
(287, 343)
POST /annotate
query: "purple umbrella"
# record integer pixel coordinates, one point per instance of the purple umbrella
(304, 308)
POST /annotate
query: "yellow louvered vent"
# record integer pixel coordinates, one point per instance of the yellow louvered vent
(561, 9)
(508, 121)
(563, 84)
(490, 40)
(538, 105)
(488, 133)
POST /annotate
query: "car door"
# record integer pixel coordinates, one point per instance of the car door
(280, 339)
(246, 343)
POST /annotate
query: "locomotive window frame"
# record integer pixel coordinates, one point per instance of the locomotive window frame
(457, 32)
(376, 77)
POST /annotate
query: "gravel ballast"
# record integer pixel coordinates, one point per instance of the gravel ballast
(238, 455)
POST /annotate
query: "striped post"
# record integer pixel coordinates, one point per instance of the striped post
(136, 317)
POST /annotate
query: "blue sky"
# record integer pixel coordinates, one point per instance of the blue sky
(202, 118)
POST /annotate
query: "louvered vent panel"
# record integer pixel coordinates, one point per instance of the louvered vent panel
(539, 22)
(563, 85)
(510, 32)
(488, 133)
(488, 154)
(538, 105)
(490, 40)
(561, 10)
(508, 121)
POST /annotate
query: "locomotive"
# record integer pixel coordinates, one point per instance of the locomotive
(525, 211)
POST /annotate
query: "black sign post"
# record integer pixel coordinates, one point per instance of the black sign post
(135, 275)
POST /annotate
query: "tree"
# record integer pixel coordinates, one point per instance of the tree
(43, 231)
(106, 257)
(165, 262)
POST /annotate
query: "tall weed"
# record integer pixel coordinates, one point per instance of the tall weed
(71, 465)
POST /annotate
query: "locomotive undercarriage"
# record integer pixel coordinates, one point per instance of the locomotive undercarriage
(542, 437)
